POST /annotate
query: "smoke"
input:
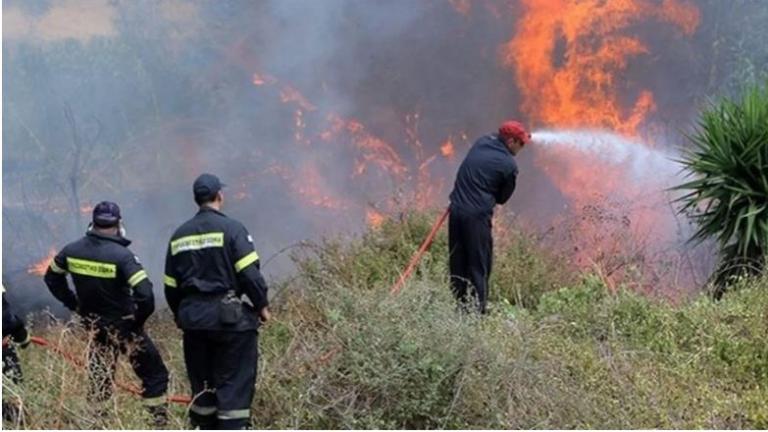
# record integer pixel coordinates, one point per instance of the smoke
(317, 114)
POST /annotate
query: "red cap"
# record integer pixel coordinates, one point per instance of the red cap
(514, 129)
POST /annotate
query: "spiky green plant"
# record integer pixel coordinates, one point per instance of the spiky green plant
(728, 194)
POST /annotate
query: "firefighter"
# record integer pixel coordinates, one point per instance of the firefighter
(210, 264)
(486, 177)
(13, 330)
(113, 295)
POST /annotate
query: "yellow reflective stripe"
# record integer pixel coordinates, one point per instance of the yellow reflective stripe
(92, 268)
(202, 410)
(153, 401)
(171, 282)
(234, 414)
(136, 278)
(246, 261)
(197, 242)
(56, 269)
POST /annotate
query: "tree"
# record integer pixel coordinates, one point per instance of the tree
(728, 196)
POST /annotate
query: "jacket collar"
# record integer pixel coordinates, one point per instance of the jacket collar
(117, 239)
(498, 140)
(206, 209)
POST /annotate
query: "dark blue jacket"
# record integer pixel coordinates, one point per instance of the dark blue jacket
(208, 256)
(485, 178)
(110, 282)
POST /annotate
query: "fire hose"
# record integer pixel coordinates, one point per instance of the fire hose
(186, 399)
(420, 252)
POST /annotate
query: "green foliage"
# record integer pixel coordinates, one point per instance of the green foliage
(523, 270)
(728, 197)
(343, 353)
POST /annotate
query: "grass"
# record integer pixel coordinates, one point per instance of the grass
(558, 350)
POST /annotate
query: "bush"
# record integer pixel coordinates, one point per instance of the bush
(728, 198)
(343, 353)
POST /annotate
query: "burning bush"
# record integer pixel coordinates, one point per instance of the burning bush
(728, 198)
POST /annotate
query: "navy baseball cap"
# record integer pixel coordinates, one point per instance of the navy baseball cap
(206, 187)
(106, 214)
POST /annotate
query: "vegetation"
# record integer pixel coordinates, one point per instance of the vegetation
(728, 197)
(344, 353)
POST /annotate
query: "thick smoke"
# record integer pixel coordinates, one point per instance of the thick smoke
(130, 100)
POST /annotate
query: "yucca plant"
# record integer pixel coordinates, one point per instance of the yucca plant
(727, 196)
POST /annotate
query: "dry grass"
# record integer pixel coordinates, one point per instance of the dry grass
(343, 353)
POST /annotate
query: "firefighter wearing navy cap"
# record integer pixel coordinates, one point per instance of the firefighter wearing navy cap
(114, 297)
(486, 177)
(210, 265)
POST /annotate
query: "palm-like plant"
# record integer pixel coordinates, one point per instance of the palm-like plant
(728, 195)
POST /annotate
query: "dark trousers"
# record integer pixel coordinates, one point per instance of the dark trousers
(108, 343)
(471, 255)
(11, 372)
(221, 366)
(11, 364)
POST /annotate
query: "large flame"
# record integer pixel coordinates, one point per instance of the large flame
(569, 58)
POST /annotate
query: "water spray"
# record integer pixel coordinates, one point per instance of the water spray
(643, 162)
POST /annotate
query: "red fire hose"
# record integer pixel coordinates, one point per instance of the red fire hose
(79, 364)
(186, 399)
(419, 253)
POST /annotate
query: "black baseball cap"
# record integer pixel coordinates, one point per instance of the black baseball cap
(106, 214)
(206, 187)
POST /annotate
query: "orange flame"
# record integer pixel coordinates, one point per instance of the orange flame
(447, 150)
(290, 94)
(39, 268)
(583, 90)
(374, 218)
(569, 57)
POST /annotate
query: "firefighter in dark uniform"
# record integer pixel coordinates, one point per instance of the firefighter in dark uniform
(486, 177)
(13, 330)
(211, 263)
(114, 297)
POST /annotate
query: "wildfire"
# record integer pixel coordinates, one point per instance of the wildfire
(408, 167)
(39, 268)
(290, 94)
(374, 218)
(372, 150)
(447, 150)
(569, 58)
(579, 86)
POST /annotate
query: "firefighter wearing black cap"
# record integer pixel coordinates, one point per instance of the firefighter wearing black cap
(114, 297)
(211, 263)
(486, 177)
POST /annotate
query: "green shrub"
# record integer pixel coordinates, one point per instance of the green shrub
(728, 197)
(341, 353)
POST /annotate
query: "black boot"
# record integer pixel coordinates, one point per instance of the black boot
(159, 415)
